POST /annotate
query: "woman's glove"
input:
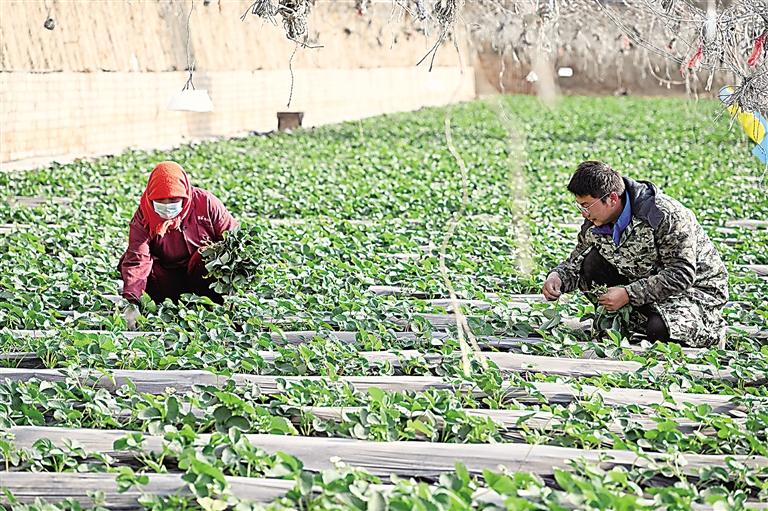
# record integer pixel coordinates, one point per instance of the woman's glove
(130, 315)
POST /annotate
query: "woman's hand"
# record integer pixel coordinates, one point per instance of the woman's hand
(130, 315)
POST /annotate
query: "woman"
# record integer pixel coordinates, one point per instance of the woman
(172, 221)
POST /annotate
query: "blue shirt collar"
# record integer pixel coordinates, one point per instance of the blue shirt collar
(621, 223)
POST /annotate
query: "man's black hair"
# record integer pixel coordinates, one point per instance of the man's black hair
(595, 178)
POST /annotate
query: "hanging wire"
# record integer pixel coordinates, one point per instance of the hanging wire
(190, 62)
(445, 14)
(715, 41)
(700, 42)
(290, 69)
(294, 14)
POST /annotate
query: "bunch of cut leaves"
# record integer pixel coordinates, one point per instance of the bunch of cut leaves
(235, 260)
(604, 319)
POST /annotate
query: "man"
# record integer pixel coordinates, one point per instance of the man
(173, 220)
(651, 252)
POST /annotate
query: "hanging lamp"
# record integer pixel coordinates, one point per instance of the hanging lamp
(190, 99)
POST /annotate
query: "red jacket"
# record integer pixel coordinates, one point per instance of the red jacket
(206, 221)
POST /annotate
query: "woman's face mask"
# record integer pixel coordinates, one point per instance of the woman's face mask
(168, 210)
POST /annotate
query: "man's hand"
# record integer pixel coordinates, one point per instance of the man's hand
(614, 298)
(552, 286)
(130, 315)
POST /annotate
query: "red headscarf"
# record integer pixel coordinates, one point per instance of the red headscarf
(167, 180)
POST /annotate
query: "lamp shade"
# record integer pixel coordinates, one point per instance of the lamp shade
(191, 100)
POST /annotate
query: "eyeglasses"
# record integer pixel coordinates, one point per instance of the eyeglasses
(585, 209)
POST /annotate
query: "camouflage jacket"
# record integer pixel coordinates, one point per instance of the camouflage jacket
(663, 252)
